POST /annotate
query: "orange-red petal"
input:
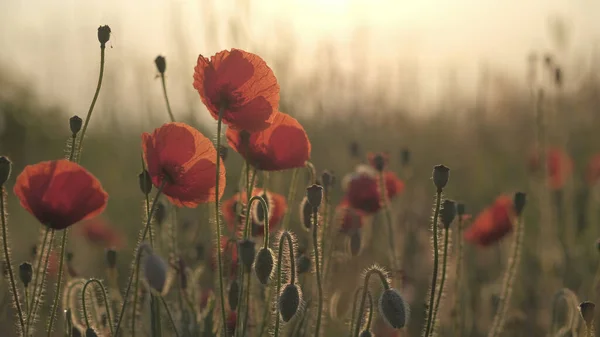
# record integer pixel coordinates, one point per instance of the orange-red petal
(493, 223)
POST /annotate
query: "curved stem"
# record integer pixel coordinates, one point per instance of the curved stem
(442, 281)
(388, 218)
(35, 296)
(61, 261)
(315, 240)
(291, 198)
(285, 237)
(356, 293)
(365, 288)
(312, 172)
(11, 275)
(370, 317)
(218, 224)
(164, 87)
(438, 200)
(458, 285)
(89, 114)
(106, 305)
(169, 316)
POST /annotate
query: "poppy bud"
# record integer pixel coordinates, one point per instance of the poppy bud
(460, 209)
(160, 213)
(355, 242)
(327, 178)
(223, 151)
(145, 182)
(111, 258)
(314, 195)
(303, 264)
(379, 162)
(519, 202)
(155, 271)
(25, 273)
(263, 265)
(558, 76)
(354, 150)
(247, 249)
(5, 167)
(405, 157)
(440, 176)
(75, 332)
(447, 213)
(306, 214)
(233, 295)
(587, 312)
(289, 301)
(366, 333)
(90, 333)
(75, 124)
(161, 64)
(393, 308)
(69, 257)
(103, 35)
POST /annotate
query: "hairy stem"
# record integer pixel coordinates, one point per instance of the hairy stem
(61, 261)
(442, 281)
(106, 305)
(315, 240)
(286, 237)
(438, 200)
(218, 225)
(365, 289)
(458, 283)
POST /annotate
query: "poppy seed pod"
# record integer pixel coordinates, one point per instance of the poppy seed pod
(365, 333)
(111, 258)
(233, 295)
(161, 64)
(155, 271)
(25, 273)
(519, 202)
(447, 213)
(75, 124)
(460, 209)
(289, 301)
(306, 214)
(145, 182)
(303, 264)
(587, 312)
(314, 195)
(5, 167)
(103, 35)
(327, 178)
(247, 251)
(90, 333)
(263, 265)
(441, 174)
(379, 162)
(405, 157)
(393, 308)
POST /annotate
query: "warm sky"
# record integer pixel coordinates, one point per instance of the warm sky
(52, 44)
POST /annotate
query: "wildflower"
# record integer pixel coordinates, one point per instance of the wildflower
(99, 231)
(362, 189)
(263, 265)
(277, 208)
(185, 160)
(242, 85)
(60, 193)
(493, 223)
(283, 145)
(559, 166)
(349, 219)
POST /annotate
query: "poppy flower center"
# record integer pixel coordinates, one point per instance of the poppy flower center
(227, 98)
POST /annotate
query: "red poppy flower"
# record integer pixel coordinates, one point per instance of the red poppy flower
(60, 193)
(493, 223)
(593, 170)
(559, 166)
(186, 160)
(229, 256)
(99, 232)
(242, 85)
(363, 189)
(283, 145)
(371, 158)
(277, 208)
(349, 219)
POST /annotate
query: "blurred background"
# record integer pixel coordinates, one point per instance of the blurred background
(454, 82)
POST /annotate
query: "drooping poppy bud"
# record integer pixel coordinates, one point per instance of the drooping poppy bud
(25, 273)
(75, 123)
(441, 174)
(263, 265)
(289, 301)
(5, 168)
(161, 64)
(393, 308)
(303, 264)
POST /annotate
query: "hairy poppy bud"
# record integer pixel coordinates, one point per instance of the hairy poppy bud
(103, 35)
(447, 213)
(327, 178)
(440, 176)
(263, 265)
(587, 312)
(161, 64)
(233, 295)
(289, 301)
(306, 214)
(460, 209)
(75, 124)
(160, 213)
(365, 333)
(145, 182)
(393, 308)
(519, 202)
(247, 249)
(405, 157)
(379, 162)
(90, 333)
(355, 242)
(314, 195)
(155, 271)
(111, 258)
(25, 273)
(303, 264)
(5, 167)
(223, 151)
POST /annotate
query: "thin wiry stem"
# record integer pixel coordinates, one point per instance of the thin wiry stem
(442, 281)
(315, 240)
(164, 87)
(365, 289)
(169, 316)
(370, 317)
(106, 305)
(438, 200)
(61, 261)
(218, 224)
(354, 302)
(247, 304)
(388, 222)
(286, 237)
(458, 284)
(35, 297)
(11, 275)
(89, 114)
(73, 145)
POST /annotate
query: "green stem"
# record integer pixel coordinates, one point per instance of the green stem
(106, 305)
(61, 261)
(365, 289)
(164, 87)
(354, 302)
(11, 275)
(435, 261)
(315, 238)
(388, 218)
(72, 153)
(155, 316)
(35, 297)
(285, 237)
(89, 114)
(247, 305)
(458, 285)
(443, 280)
(370, 317)
(170, 316)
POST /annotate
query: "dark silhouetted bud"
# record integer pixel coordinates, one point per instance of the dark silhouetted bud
(460, 209)
(69, 257)
(25, 273)
(355, 243)
(145, 182)
(314, 195)
(520, 200)
(155, 271)
(366, 333)
(161, 64)
(233, 295)
(199, 251)
(5, 167)
(160, 213)
(303, 264)
(247, 249)
(223, 151)
(548, 61)
(440, 176)
(587, 312)
(75, 124)
(33, 251)
(558, 76)
(393, 308)
(328, 179)
(306, 214)
(405, 157)
(354, 150)
(379, 162)
(111, 258)
(447, 213)
(289, 301)
(75, 332)
(103, 35)
(263, 265)
(90, 333)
